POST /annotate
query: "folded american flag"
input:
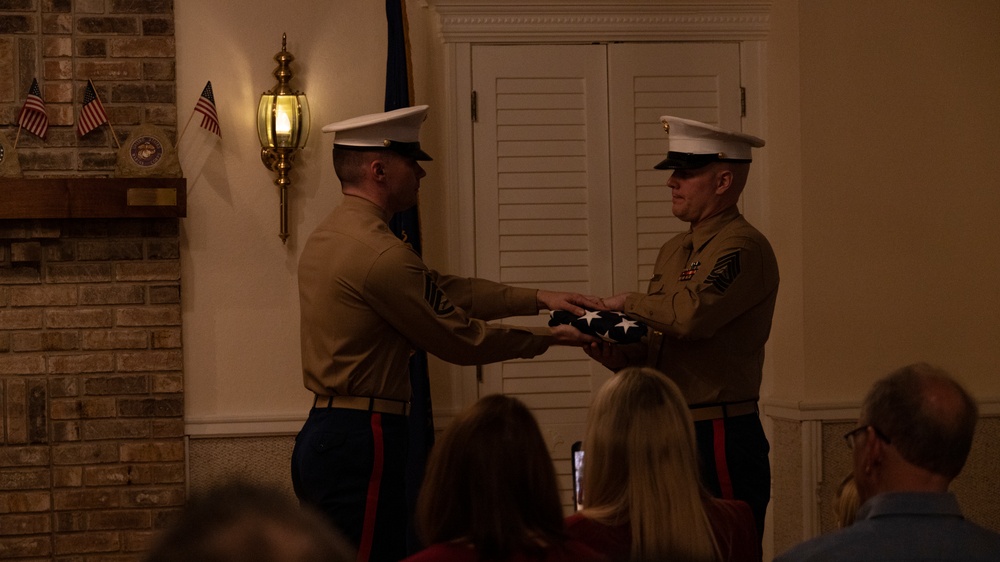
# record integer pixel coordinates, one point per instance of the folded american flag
(610, 326)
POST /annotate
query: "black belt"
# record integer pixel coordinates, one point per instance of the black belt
(369, 403)
(725, 410)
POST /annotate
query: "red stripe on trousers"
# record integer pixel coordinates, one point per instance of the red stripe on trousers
(721, 467)
(371, 506)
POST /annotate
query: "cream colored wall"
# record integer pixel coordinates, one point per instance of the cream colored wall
(899, 129)
(240, 297)
(882, 130)
(881, 127)
(784, 191)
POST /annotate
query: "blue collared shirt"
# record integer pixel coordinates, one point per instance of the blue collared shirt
(903, 526)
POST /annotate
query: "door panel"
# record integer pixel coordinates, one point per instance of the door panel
(646, 80)
(565, 195)
(542, 211)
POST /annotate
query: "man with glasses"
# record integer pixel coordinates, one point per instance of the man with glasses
(913, 438)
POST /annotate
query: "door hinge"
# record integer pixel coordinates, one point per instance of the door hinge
(474, 106)
(743, 101)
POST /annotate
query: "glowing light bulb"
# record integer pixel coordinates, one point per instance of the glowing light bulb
(282, 125)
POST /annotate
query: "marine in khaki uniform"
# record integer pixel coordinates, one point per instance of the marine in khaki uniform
(367, 301)
(709, 307)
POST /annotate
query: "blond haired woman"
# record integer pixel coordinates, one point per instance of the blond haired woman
(846, 501)
(642, 497)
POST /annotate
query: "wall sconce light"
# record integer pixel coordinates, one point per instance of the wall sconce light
(283, 127)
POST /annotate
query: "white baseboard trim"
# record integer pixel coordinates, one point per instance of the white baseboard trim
(841, 411)
(803, 411)
(243, 426)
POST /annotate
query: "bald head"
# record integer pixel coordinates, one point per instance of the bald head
(929, 418)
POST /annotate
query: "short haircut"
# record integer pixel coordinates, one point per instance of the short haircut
(740, 172)
(929, 418)
(491, 481)
(239, 521)
(349, 164)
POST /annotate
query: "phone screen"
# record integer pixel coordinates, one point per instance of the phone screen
(577, 462)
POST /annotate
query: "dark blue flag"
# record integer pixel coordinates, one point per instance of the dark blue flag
(610, 326)
(406, 225)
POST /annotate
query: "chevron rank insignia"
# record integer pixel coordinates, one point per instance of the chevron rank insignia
(436, 298)
(726, 270)
(614, 327)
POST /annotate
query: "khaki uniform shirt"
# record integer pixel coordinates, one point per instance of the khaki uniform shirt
(367, 300)
(709, 305)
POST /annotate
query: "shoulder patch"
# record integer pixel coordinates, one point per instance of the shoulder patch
(725, 271)
(436, 298)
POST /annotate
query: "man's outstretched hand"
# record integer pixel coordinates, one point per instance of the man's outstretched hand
(573, 302)
(616, 302)
(607, 354)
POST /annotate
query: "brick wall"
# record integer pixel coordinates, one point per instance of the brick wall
(92, 458)
(126, 47)
(91, 386)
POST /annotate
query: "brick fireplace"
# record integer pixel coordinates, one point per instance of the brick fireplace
(91, 384)
(92, 461)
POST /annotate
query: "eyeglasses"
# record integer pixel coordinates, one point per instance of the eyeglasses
(849, 436)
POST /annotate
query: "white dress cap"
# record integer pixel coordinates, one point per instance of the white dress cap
(694, 144)
(397, 130)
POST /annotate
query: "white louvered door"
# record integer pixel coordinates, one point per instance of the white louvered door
(698, 81)
(565, 195)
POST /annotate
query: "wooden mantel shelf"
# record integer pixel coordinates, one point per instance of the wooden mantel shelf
(92, 198)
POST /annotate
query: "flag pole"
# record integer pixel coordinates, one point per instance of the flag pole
(18, 135)
(184, 130)
(113, 134)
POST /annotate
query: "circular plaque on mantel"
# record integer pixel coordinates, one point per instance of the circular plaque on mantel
(147, 153)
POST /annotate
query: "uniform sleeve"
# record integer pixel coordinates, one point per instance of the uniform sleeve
(741, 274)
(485, 299)
(401, 289)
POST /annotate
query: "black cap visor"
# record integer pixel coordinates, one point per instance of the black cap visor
(690, 161)
(408, 149)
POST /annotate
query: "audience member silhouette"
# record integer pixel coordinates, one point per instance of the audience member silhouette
(642, 497)
(490, 492)
(913, 438)
(240, 522)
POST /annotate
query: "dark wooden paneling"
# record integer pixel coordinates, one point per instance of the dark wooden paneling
(60, 198)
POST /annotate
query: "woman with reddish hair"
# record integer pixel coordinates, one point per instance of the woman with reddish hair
(490, 492)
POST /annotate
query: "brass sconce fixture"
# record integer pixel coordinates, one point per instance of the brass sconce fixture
(283, 127)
